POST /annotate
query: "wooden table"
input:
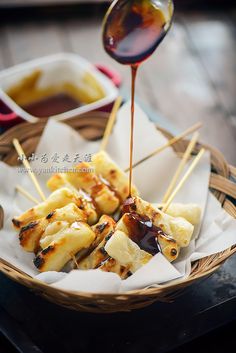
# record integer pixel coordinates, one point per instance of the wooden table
(190, 78)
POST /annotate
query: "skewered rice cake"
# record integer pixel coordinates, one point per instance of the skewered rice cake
(75, 225)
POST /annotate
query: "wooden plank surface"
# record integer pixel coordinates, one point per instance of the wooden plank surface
(31, 40)
(184, 93)
(213, 41)
(191, 77)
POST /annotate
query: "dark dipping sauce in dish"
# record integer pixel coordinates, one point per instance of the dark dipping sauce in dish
(141, 229)
(52, 105)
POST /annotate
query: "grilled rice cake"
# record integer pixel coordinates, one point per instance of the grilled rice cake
(51, 232)
(104, 227)
(59, 180)
(63, 246)
(83, 178)
(177, 227)
(111, 265)
(98, 255)
(189, 211)
(126, 252)
(110, 171)
(150, 238)
(30, 235)
(116, 253)
(57, 199)
(124, 256)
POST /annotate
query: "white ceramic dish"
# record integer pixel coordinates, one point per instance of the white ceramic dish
(55, 69)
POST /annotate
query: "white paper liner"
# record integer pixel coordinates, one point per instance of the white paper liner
(152, 178)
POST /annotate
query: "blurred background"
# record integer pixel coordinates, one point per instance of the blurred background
(191, 77)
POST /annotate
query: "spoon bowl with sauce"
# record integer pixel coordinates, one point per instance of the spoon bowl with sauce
(133, 29)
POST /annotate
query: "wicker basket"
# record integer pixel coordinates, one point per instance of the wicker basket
(92, 126)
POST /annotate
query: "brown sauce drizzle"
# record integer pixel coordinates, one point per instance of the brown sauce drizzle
(141, 229)
(132, 31)
(134, 69)
(128, 206)
(97, 188)
(108, 184)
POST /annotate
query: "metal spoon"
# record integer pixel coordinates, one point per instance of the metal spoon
(133, 29)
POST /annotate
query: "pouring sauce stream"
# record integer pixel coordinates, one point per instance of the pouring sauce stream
(133, 29)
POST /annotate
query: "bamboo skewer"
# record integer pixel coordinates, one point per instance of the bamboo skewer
(73, 258)
(21, 153)
(26, 194)
(181, 166)
(110, 123)
(168, 144)
(184, 179)
(170, 199)
(103, 146)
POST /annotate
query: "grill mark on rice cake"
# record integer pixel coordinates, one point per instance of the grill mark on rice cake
(103, 251)
(98, 255)
(50, 215)
(16, 223)
(28, 226)
(39, 261)
(24, 230)
(111, 265)
(48, 249)
(100, 227)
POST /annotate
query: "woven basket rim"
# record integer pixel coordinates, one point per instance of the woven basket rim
(142, 292)
(17, 275)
